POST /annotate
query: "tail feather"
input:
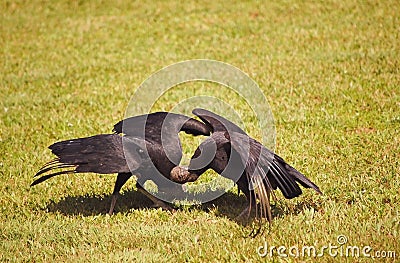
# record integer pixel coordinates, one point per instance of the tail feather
(55, 166)
(48, 164)
(98, 154)
(47, 176)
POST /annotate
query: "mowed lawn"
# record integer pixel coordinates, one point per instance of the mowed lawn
(330, 72)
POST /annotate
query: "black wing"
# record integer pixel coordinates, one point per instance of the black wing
(102, 154)
(254, 154)
(161, 129)
(151, 126)
(217, 123)
(266, 171)
(276, 172)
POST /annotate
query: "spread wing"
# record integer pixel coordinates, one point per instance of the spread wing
(258, 159)
(266, 171)
(275, 171)
(217, 123)
(155, 125)
(161, 129)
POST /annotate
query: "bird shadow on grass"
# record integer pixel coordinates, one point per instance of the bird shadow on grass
(228, 205)
(90, 205)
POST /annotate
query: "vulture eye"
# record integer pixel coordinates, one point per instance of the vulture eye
(141, 153)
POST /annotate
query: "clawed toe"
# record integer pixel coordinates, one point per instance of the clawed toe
(244, 215)
(163, 206)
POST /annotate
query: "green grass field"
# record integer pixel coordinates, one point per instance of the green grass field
(331, 74)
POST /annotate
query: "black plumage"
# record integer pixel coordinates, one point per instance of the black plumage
(256, 170)
(146, 145)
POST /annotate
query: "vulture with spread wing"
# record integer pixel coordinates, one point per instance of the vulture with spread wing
(256, 170)
(147, 146)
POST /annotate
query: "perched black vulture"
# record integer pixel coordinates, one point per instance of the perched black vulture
(146, 145)
(256, 170)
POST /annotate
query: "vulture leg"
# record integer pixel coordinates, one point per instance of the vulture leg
(243, 185)
(121, 180)
(245, 213)
(156, 202)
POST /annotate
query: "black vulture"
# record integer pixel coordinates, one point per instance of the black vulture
(256, 170)
(146, 145)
